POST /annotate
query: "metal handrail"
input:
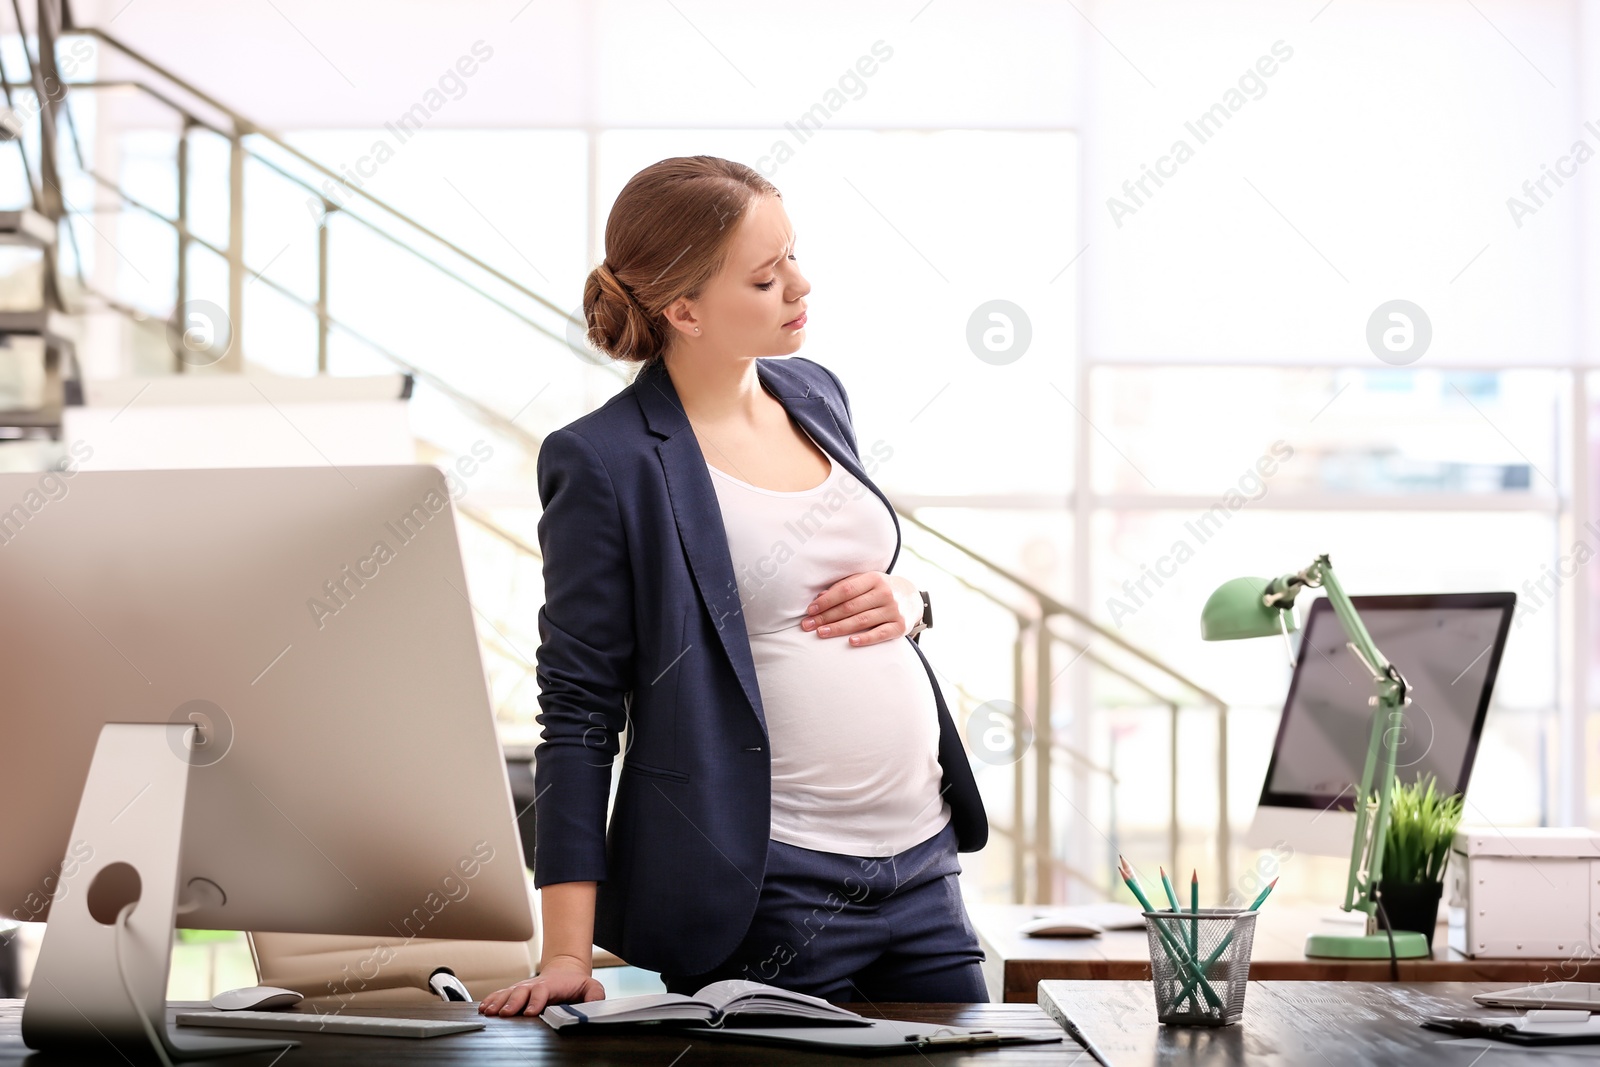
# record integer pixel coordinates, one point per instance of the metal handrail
(484, 414)
(1075, 754)
(499, 531)
(1047, 609)
(1052, 606)
(243, 125)
(180, 225)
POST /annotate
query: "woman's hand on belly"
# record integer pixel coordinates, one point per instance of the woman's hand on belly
(870, 607)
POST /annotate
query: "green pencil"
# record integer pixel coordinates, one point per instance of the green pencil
(1133, 883)
(1194, 909)
(1187, 930)
(1262, 897)
(1206, 966)
(1166, 883)
(1175, 949)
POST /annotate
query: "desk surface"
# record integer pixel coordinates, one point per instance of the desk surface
(524, 1041)
(1288, 1024)
(1016, 963)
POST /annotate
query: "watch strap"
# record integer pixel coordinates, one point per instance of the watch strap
(927, 614)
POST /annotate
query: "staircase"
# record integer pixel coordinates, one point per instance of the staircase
(1010, 641)
(40, 377)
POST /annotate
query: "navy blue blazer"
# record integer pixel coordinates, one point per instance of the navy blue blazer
(642, 625)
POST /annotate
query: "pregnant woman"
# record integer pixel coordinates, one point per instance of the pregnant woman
(716, 561)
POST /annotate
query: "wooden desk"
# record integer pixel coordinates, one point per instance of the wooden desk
(525, 1041)
(1017, 964)
(1286, 1024)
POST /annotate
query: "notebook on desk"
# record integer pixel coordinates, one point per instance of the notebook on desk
(731, 1003)
(1547, 1027)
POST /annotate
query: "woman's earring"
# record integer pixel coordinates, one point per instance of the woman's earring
(697, 329)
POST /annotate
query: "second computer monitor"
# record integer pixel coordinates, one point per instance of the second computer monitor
(1447, 646)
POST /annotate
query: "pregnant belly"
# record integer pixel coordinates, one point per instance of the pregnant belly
(854, 732)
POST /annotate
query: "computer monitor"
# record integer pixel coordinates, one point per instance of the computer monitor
(1447, 646)
(275, 676)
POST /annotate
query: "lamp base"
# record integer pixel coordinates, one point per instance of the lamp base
(1407, 946)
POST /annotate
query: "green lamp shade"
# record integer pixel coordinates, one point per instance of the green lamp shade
(1235, 611)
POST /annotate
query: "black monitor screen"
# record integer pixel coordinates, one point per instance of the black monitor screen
(1446, 646)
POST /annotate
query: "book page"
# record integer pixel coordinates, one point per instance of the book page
(720, 994)
(643, 1007)
(728, 995)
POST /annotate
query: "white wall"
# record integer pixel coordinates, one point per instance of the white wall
(1376, 165)
(308, 64)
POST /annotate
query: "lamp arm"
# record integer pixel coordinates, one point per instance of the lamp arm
(1359, 637)
(1367, 845)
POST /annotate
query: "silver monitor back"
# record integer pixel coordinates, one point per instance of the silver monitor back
(315, 623)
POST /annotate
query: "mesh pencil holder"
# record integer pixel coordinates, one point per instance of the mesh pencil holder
(1200, 964)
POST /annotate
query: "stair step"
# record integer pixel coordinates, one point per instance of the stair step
(246, 388)
(46, 418)
(59, 388)
(40, 322)
(26, 226)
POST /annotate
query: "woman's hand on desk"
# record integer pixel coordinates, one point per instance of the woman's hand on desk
(560, 981)
(870, 607)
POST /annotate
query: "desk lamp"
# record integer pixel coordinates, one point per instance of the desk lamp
(1254, 607)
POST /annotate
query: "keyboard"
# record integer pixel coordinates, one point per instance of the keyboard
(329, 1023)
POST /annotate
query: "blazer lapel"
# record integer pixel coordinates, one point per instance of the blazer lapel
(698, 513)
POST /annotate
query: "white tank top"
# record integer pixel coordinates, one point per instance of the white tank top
(854, 729)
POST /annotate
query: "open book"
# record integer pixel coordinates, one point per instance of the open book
(732, 1003)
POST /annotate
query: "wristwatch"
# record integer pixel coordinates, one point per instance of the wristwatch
(927, 615)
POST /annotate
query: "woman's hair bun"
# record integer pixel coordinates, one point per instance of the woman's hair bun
(617, 324)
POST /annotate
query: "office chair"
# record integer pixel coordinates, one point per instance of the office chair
(334, 971)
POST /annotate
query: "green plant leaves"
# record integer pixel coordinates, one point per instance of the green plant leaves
(1422, 825)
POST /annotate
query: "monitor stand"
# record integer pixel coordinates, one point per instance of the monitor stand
(126, 848)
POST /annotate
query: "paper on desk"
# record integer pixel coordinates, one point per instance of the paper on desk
(1558, 1023)
(1107, 915)
(1476, 1043)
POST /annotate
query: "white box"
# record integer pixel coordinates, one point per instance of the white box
(1525, 892)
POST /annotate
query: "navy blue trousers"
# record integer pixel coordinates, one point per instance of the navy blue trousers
(859, 928)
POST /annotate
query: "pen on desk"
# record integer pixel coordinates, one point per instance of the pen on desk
(972, 1037)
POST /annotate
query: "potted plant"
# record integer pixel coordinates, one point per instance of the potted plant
(1422, 826)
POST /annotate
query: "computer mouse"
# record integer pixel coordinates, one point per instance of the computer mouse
(1059, 926)
(256, 998)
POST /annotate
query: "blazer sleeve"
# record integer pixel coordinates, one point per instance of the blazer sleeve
(585, 658)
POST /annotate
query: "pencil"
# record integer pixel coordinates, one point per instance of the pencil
(1183, 960)
(1166, 884)
(1132, 883)
(1261, 899)
(1172, 898)
(1220, 949)
(1194, 909)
